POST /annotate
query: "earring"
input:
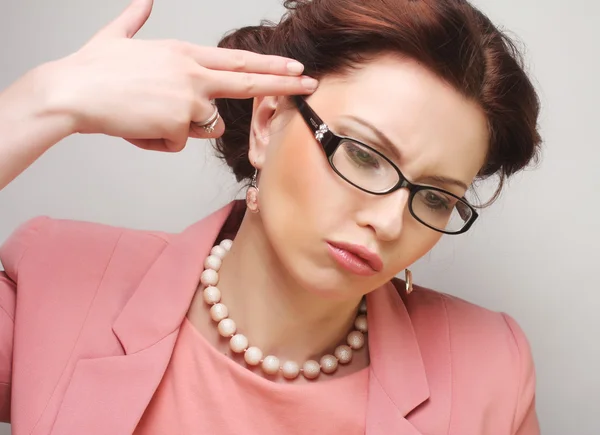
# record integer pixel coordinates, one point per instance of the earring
(252, 194)
(409, 281)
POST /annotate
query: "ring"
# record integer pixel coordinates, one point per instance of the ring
(210, 124)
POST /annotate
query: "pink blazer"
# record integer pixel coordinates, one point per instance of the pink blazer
(89, 315)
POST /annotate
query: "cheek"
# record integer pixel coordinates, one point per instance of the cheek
(415, 242)
(300, 169)
(302, 204)
(300, 187)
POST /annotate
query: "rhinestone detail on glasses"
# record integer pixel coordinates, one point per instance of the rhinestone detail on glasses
(321, 132)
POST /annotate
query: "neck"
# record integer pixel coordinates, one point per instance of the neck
(271, 308)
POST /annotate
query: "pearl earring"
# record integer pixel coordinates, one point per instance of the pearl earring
(252, 194)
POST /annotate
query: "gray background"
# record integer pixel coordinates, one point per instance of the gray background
(533, 254)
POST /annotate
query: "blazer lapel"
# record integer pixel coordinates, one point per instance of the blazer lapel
(110, 394)
(397, 379)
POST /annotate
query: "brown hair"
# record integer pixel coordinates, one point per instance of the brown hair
(451, 37)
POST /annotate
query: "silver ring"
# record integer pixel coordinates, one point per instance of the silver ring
(210, 124)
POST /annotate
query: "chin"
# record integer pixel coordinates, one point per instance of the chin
(328, 281)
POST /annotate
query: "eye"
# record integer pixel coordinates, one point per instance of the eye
(435, 200)
(361, 156)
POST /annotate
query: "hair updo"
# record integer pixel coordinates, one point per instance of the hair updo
(451, 37)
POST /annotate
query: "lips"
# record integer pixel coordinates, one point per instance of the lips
(372, 259)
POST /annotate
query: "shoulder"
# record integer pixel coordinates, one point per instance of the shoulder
(487, 353)
(479, 339)
(464, 320)
(57, 241)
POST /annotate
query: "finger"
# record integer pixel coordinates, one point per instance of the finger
(203, 119)
(162, 145)
(198, 132)
(149, 144)
(129, 22)
(177, 137)
(178, 142)
(225, 59)
(226, 84)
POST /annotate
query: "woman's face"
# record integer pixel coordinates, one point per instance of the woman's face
(307, 211)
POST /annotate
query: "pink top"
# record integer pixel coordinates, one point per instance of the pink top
(205, 392)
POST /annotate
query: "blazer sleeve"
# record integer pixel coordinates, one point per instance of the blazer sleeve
(525, 420)
(11, 253)
(7, 316)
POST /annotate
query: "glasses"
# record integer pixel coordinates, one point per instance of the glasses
(369, 170)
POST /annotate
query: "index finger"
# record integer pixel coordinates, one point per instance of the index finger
(227, 59)
(227, 84)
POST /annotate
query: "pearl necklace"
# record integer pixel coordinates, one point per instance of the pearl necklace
(253, 356)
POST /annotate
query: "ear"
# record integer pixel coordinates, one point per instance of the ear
(263, 113)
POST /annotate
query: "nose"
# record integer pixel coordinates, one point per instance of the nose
(385, 214)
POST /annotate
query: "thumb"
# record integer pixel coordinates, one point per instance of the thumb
(131, 20)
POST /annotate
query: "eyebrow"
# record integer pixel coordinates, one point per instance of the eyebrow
(389, 146)
(443, 180)
(385, 141)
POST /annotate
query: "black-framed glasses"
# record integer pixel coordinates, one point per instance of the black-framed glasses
(371, 171)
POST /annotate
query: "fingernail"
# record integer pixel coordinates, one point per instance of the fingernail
(309, 83)
(295, 67)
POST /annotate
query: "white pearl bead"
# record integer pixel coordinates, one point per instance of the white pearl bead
(226, 244)
(209, 277)
(253, 356)
(311, 369)
(290, 370)
(218, 251)
(270, 365)
(213, 262)
(361, 323)
(226, 328)
(344, 354)
(212, 295)
(329, 364)
(356, 340)
(238, 343)
(218, 312)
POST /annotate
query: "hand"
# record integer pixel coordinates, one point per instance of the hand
(151, 92)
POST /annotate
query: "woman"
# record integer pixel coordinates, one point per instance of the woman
(254, 320)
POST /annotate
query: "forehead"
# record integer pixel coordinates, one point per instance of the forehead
(436, 130)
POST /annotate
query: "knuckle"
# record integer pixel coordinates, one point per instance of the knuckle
(239, 61)
(179, 118)
(177, 146)
(273, 64)
(173, 46)
(197, 81)
(249, 82)
(196, 73)
(184, 115)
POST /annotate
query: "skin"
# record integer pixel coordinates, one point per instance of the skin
(285, 292)
(149, 92)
